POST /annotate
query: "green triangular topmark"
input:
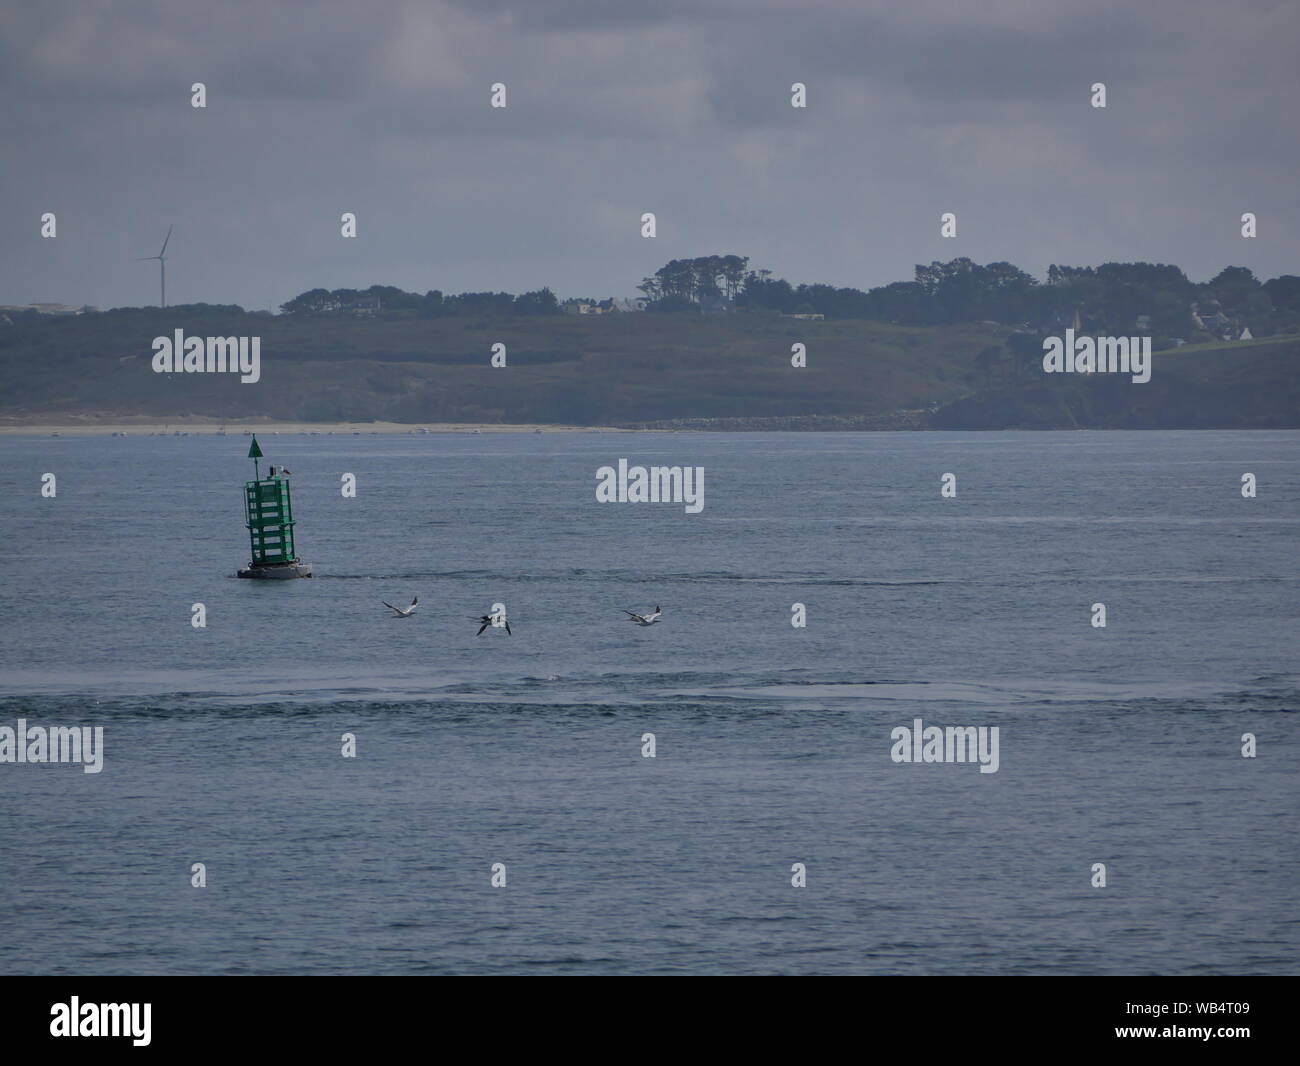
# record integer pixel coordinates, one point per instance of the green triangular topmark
(254, 452)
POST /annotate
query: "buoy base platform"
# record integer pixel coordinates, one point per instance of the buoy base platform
(276, 571)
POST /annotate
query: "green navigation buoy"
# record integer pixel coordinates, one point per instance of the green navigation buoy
(268, 514)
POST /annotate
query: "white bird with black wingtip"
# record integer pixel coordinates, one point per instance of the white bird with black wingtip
(644, 619)
(496, 620)
(402, 612)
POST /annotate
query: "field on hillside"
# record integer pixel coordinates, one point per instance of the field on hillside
(615, 370)
(578, 370)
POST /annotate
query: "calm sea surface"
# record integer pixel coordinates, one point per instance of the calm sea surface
(1119, 745)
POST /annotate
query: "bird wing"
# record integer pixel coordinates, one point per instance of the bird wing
(508, 633)
(390, 606)
(483, 627)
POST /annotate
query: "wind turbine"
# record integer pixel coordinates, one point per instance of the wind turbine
(162, 264)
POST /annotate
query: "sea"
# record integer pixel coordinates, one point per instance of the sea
(308, 784)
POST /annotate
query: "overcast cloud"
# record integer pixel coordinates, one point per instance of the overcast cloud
(683, 109)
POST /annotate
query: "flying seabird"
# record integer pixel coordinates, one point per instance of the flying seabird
(488, 620)
(402, 612)
(644, 619)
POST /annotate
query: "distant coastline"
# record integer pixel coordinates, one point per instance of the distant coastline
(206, 427)
(668, 371)
(903, 422)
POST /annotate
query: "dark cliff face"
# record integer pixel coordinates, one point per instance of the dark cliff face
(1228, 388)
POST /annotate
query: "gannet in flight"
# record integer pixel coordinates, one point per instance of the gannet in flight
(488, 620)
(644, 619)
(402, 612)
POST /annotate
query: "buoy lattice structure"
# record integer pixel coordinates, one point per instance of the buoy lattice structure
(268, 514)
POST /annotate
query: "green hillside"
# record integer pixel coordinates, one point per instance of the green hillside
(609, 370)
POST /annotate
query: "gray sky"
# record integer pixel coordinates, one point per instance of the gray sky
(683, 109)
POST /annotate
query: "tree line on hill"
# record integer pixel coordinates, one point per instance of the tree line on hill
(1111, 298)
(1114, 298)
(433, 304)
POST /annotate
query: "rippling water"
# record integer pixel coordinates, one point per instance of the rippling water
(1118, 745)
